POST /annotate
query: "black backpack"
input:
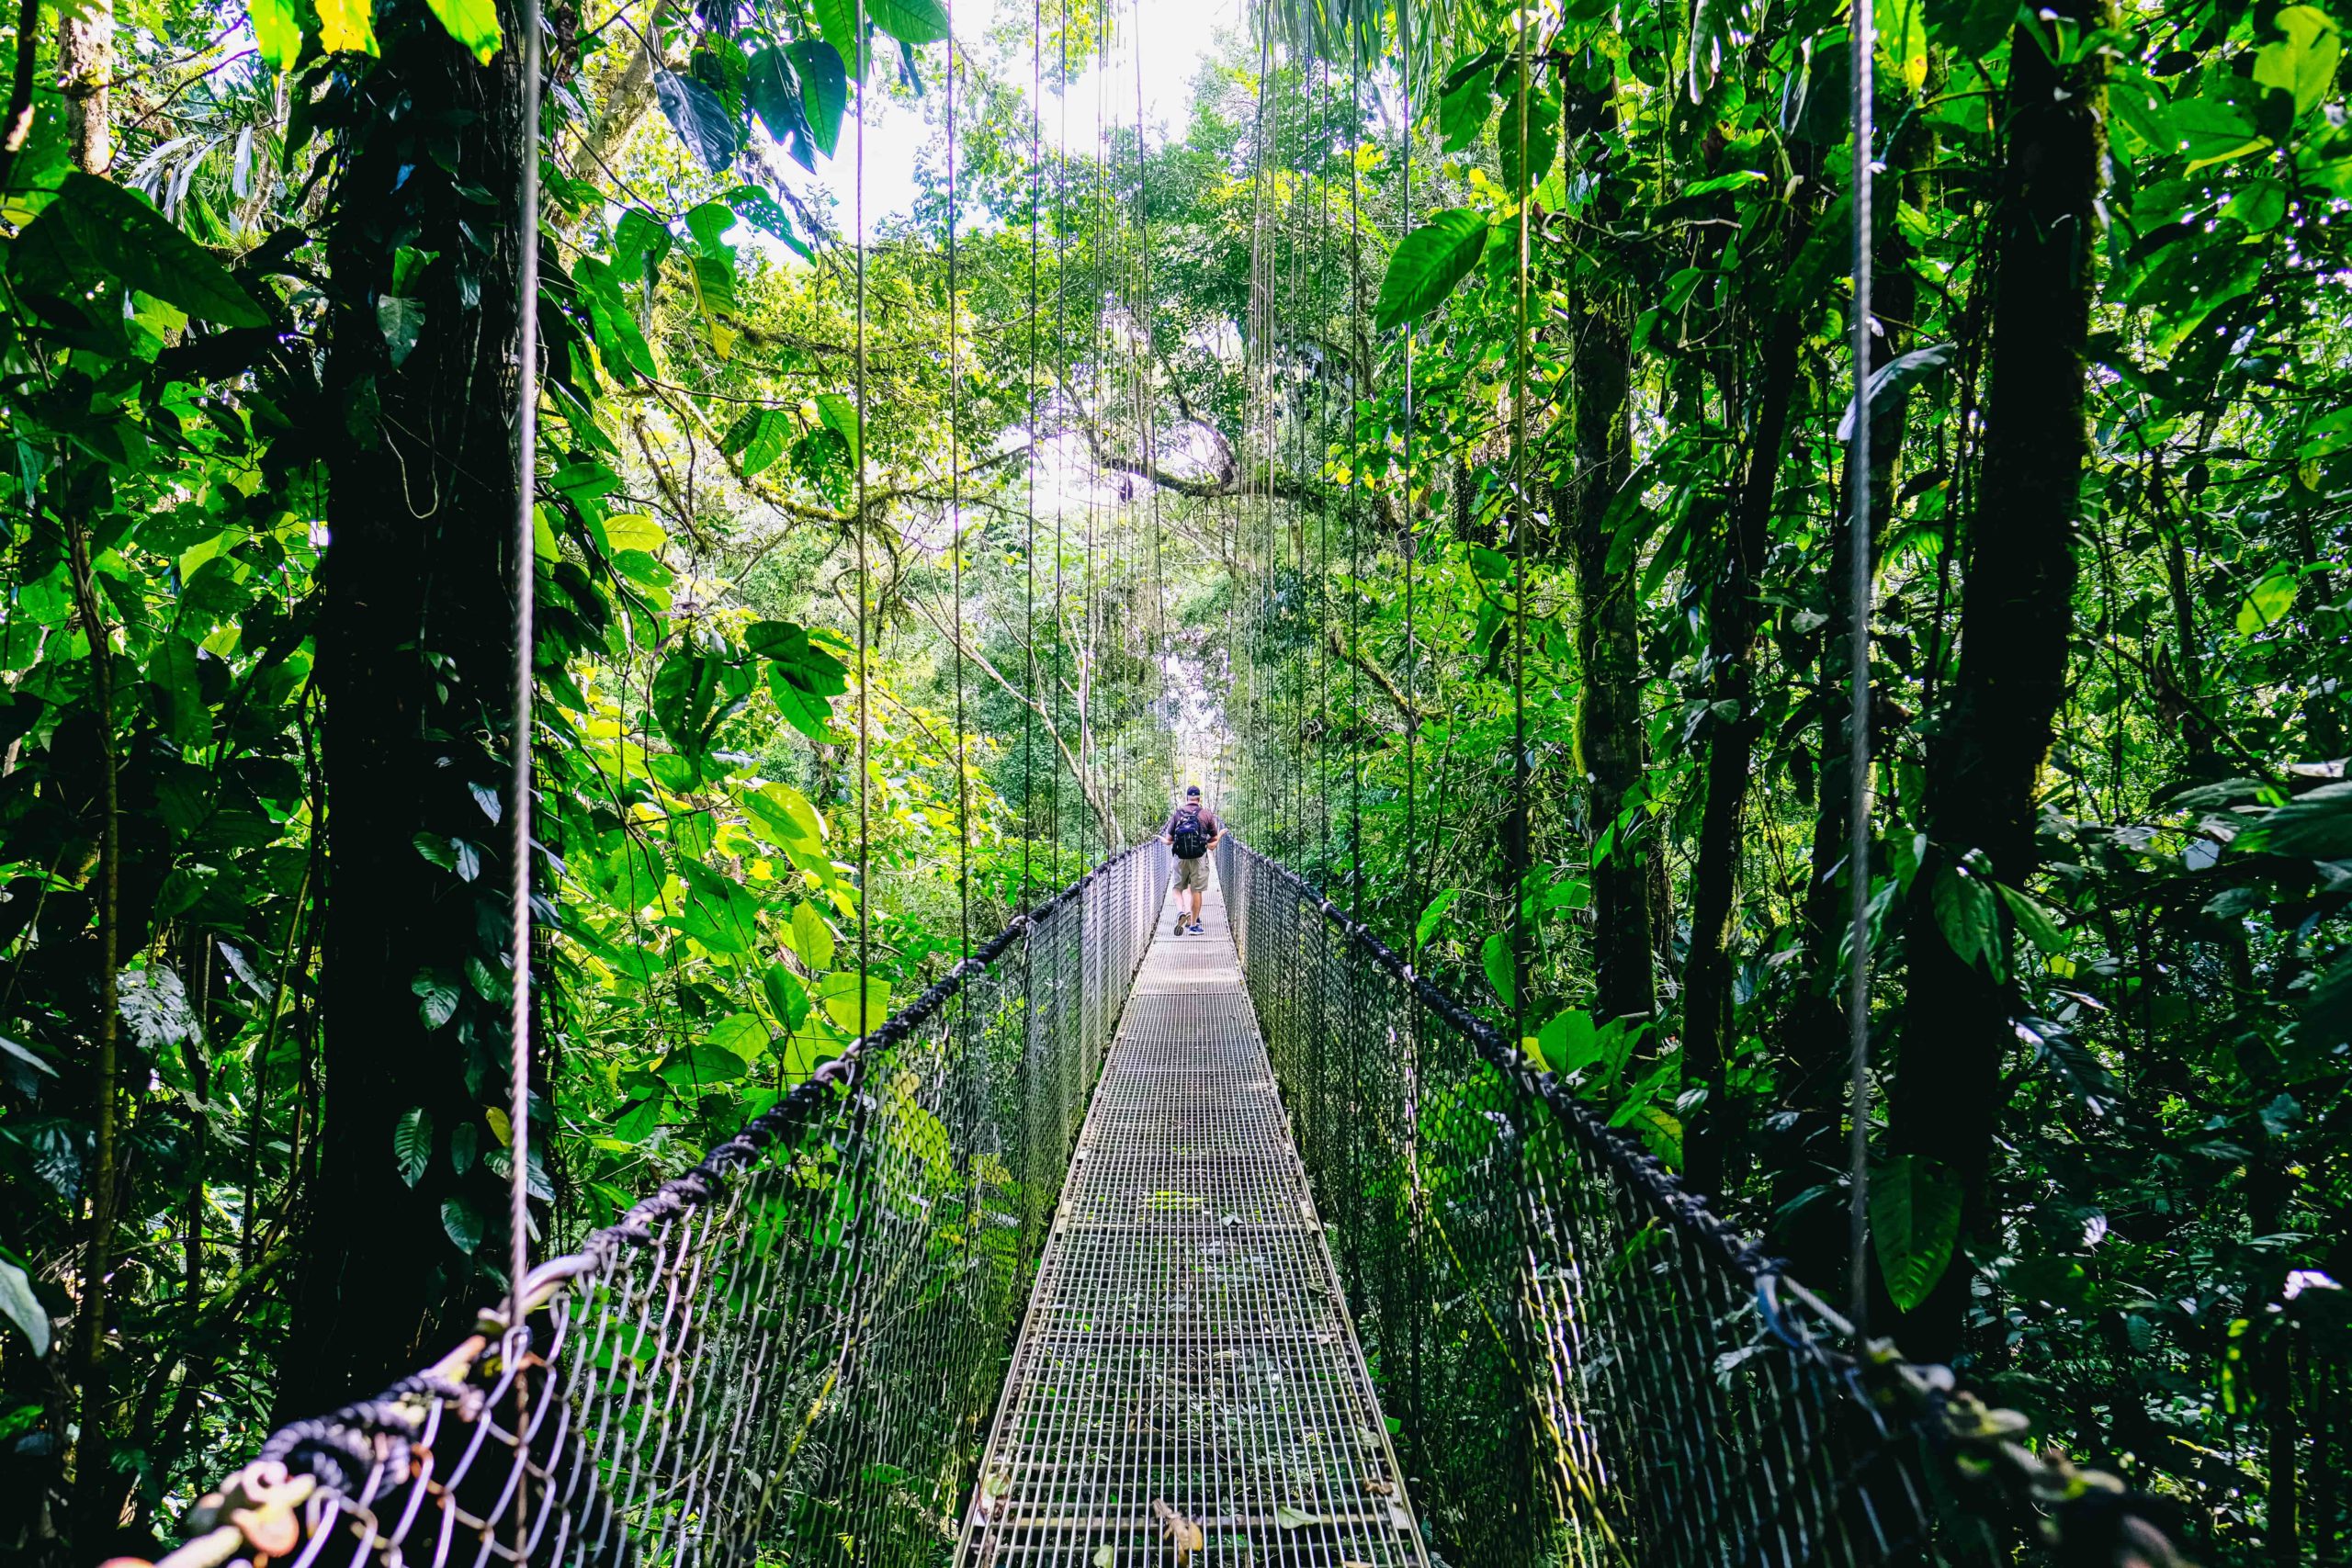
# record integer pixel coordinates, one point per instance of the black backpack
(1187, 839)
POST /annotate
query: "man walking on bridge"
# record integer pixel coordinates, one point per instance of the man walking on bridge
(1193, 832)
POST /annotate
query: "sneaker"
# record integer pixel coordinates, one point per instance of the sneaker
(1195, 927)
(1180, 927)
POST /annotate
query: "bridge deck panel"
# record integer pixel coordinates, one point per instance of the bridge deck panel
(1187, 1344)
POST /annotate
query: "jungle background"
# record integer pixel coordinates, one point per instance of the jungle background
(1433, 443)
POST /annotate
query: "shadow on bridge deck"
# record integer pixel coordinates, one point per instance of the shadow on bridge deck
(1187, 1364)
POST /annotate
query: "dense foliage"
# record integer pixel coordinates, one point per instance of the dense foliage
(1440, 449)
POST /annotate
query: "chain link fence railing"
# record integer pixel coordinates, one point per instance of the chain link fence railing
(1584, 1365)
(789, 1355)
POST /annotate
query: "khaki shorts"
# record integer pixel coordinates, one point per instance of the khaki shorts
(1192, 876)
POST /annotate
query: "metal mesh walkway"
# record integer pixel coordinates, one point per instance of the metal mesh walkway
(1188, 1379)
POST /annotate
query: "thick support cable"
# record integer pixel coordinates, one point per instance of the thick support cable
(1858, 736)
(526, 442)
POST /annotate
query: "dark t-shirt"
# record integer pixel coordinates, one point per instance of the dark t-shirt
(1209, 829)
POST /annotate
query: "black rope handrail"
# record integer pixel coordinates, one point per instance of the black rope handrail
(419, 1443)
(2080, 1514)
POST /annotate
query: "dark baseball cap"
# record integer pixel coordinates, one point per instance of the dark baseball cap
(1192, 789)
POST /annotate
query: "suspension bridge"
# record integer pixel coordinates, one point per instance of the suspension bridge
(1120, 1246)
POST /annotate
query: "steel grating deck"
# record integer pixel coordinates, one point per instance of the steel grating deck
(1187, 1347)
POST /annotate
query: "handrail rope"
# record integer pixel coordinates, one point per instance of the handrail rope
(1899, 1396)
(336, 1451)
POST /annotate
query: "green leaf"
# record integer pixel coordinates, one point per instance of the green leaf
(2316, 826)
(1463, 106)
(98, 230)
(1495, 957)
(2035, 920)
(824, 90)
(462, 1223)
(634, 530)
(1569, 1042)
(1899, 375)
(347, 26)
(22, 1307)
(719, 914)
(1964, 911)
(810, 936)
(787, 996)
(762, 211)
(701, 121)
(2267, 602)
(474, 23)
(700, 1064)
(179, 696)
(1903, 37)
(1971, 27)
(437, 997)
(1915, 1223)
(1427, 264)
(840, 416)
(739, 1034)
(1292, 1519)
(277, 31)
(2302, 64)
(909, 21)
(782, 815)
(772, 92)
(401, 320)
(1427, 925)
(837, 994)
(1106, 1556)
(837, 20)
(412, 1144)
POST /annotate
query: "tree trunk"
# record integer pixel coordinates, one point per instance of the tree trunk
(414, 664)
(1608, 703)
(2015, 627)
(1733, 619)
(84, 71)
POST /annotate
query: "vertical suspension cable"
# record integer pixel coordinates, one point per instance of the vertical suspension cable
(1858, 739)
(1029, 549)
(527, 445)
(1358, 386)
(956, 522)
(1516, 867)
(1412, 651)
(865, 580)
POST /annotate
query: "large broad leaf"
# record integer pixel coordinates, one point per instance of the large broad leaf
(1898, 375)
(1426, 267)
(1915, 1220)
(277, 31)
(773, 93)
(787, 996)
(474, 23)
(843, 417)
(810, 936)
(1426, 927)
(2302, 62)
(720, 913)
(1964, 911)
(909, 21)
(824, 90)
(1502, 969)
(21, 1307)
(702, 1062)
(701, 121)
(96, 233)
(462, 1222)
(347, 26)
(412, 1144)
(2317, 826)
(837, 20)
(839, 996)
(2267, 602)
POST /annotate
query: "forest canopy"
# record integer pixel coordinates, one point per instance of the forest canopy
(1435, 440)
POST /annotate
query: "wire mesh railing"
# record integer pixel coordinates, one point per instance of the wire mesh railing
(1584, 1364)
(788, 1354)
